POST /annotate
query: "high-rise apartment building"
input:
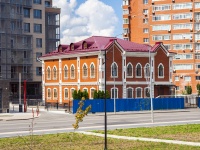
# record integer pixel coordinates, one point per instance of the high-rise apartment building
(28, 29)
(174, 22)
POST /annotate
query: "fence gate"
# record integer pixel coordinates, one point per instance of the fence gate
(1, 101)
(191, 101)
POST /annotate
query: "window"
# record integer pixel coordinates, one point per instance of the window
(26, 13)
(66, 94)
(37, 2)
(182, 26)
(92, 93)
(92, 71)
(145, 30)
(125, 21)
(48, 73)
(85, 45)
(182, 36)
(38, 54)
(48, 93)
(138, 92)
(182, 6)
(65, 72)
(12, 43)
(160, 71)
(114, 93)
(38, 28)
(182, 16)
(197, 77)
(25, 54)
(47, 4)
(126, 30)
(25, 69)
(176, 78)
(114, 70)
(39, 42)
(146, 40)
(197, 66)
(197, 56)
(138, 70)
(125, 2)
(72, 72)
(161, 7)
(161, 37)
(129, 71)
(183, 66)
(147, 70)
(85, 71)
(55, 93)
(182, 46)
(72, 91)
(161, 27)
(54, 73)
(167, 46)
(125, 11)
(145, 1)
(145, 11)
(183, 56)
(187, 78)
(37, 13)
(161, 17)
(26, 27)
(38, 71)
(129, 92)
(146, 92)
(145, 20)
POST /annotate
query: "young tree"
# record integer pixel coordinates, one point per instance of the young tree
(198, 88)
(96, 96)
(107, 94)
(85, 94)
(75, 95)
(80, 94)
(189, 89)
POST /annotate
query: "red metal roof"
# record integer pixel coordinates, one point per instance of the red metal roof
(97, 43)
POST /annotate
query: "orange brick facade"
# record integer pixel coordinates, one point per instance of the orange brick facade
(144, 22)
(58, 84)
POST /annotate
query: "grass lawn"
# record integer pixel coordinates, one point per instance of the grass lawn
(189, 132)
(75, 141)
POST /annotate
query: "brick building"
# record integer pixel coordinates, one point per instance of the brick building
(174, 22)
(81, 65)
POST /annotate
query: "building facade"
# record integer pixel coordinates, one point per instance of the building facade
(124, 66)
(174, 22)
(28, 29)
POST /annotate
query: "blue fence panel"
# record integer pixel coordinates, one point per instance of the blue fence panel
(132, 104)
(198, 102)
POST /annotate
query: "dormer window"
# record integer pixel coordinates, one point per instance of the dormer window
(84, 45)
(60, 49)
(72, 47)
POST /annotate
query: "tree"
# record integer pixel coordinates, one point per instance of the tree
(189, 89)
(107, 94)
(198, 88)
(96, 96)
(75, 95)
(85, 94)
(80, 94)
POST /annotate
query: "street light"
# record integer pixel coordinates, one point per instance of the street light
(105, 117)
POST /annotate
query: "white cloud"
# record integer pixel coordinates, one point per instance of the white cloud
(92, 17)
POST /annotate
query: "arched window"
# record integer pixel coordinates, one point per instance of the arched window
(72, 72)
(146, 92)
(147, 70)
(48, 93)
(138, 92)
(54, 72)
(84, 45)
(114, 92)
(129, 92)
(85, 70)
(92, 70)
(66, 93)
(114, 70)
(65, 72)
(160, 70)
(129, 70)
(48, 73)
(138, 70)
(92, 93)
(55, 93)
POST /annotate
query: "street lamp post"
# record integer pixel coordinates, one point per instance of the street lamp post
(105, 117)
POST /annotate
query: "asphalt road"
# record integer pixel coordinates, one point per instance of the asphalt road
(49, 122)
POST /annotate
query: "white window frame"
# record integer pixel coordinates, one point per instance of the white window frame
(55, 71)
(183, 66)
(55, 90)
(176, 78)
(48, 91)
(136, 95)
(127, 76)
(159, 71)
(65, 98)
(125, 21)
(145, 95)
(48, 73)
(145, 73)
(72, 77)
(83, 72)
(92, 76)
(180, 6)
(136, 70)
(187, 78)
(116, 76)
(71, 93)
(127, 92)
(161, 7)
(65, 76)
(91, 92)
(116, 90)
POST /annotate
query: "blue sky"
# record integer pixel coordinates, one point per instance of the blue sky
(81, 19)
